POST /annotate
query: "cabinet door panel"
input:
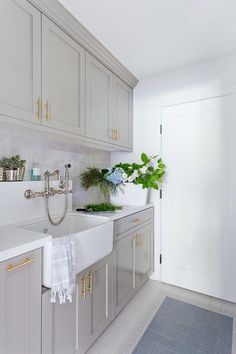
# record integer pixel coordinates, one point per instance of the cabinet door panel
(99, 297)
(83, 315)
(124, 274)
(20, 305)
(123, 113)
(98, 100)
(58, 326)
(63, 80)
(95, 311)
(146, 251)
(20, 69)
(143, 254)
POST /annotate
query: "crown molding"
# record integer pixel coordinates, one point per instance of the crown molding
(64, 19)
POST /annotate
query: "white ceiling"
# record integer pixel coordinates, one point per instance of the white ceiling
(155, 36)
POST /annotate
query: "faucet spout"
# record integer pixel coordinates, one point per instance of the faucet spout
(48, 174)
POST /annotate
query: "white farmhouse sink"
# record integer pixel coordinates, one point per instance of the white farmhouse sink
(93, 240)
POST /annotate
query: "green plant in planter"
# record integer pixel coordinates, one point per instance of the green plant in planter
(148, 173)
(12, 163)
(94, 177)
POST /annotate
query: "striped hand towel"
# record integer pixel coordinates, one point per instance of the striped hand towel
(63, 269)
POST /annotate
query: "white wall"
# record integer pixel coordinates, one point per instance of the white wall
(193, 83)
(52, 154)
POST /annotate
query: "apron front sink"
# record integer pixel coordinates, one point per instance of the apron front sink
(93, 240)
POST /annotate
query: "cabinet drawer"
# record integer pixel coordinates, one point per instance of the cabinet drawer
(132, 221)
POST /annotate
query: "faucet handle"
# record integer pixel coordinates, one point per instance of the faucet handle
(29, 194)
(62, 184)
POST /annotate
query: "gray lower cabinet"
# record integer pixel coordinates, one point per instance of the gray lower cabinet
(94, 303)
(102, 290)
(143, 254)
(58, 326)
(73, 327)
(123, 272)
(20, 304)
(132, 264)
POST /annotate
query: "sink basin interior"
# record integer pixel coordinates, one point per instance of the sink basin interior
(71, 225)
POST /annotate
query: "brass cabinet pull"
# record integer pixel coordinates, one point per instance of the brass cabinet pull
(83, 285)
(136, 240)
(90, 283)
(38, 102)
(140, 240)
(26, 261)
(47, 110)
(135, 221)
(112, 135)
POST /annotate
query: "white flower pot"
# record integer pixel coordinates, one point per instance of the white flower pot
(133, 194)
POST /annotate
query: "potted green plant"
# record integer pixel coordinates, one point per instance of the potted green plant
(94, 177)
(13, 168)
(127, 183)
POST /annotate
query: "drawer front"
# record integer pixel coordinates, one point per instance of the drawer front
(129, 222)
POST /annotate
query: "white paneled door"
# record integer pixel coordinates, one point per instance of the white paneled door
(198, 223)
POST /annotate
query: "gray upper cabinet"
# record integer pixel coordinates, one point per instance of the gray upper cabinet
(109, 104)
(122, 113)
(50, 80)
(98, 100)
(20, 304)
(63, 79)
(20, 69)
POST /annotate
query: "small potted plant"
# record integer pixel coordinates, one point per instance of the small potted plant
(13, 168)
(93, 177)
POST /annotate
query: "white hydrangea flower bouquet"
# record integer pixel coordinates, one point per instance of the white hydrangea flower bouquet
(126, 178)
(149, 173)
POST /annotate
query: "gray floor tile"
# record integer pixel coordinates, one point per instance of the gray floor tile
(120, 338)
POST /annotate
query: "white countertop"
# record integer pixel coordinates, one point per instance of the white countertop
(126, 211)
(15, 241)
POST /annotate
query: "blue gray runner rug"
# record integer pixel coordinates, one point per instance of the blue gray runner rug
(181, 328)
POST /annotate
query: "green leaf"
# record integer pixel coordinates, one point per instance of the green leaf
(161, 165)
(144, 158)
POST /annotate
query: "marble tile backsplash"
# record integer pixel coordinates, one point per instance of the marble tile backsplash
(53, 155)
